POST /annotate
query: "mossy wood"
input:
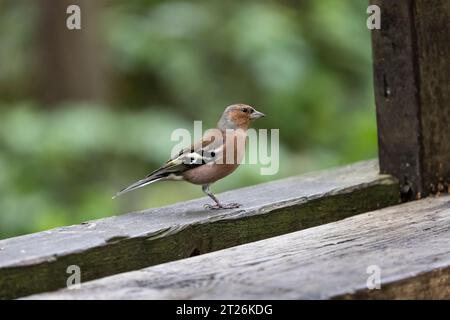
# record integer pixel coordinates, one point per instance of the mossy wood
(404, 248)
(38, 262)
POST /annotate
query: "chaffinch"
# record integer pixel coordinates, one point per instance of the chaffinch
(208, 160)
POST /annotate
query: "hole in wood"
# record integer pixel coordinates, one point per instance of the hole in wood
(406, 191)
(194, 253)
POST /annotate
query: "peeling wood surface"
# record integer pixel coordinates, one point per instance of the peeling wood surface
(38, 262)
(408, 242)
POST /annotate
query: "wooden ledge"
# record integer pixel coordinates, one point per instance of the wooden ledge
(38, 262)
(409, 243)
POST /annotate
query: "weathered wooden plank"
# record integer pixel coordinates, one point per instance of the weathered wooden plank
(38, 262)
(412, 92)
(409, 243)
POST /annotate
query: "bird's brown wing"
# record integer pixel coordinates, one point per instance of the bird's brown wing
(207, 142)
(196, 155)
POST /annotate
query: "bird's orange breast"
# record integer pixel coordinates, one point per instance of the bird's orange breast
(225, 163)
(209, 173)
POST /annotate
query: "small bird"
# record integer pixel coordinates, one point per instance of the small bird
(214, 157)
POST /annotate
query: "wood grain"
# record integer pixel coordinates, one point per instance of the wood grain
(38, 262)
(412, 91)
(408, 242)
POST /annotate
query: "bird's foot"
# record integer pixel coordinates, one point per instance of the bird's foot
(222, 206)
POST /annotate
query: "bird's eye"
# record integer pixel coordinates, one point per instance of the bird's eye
(244, 110)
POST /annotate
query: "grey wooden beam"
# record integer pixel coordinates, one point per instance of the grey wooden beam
(38, 262)
(412, 91)
(408, 244)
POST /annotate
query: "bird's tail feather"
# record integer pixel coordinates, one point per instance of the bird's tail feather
(139, 184)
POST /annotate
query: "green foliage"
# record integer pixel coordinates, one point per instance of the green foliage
(306, 65)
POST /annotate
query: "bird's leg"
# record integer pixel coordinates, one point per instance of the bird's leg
(206, 190)
(218, 205)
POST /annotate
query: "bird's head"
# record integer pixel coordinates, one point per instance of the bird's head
(238, 116)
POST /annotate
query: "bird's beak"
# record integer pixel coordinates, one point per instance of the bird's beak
(257, 115)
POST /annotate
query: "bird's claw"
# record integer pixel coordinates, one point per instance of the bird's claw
(231, 205)
(222, 206)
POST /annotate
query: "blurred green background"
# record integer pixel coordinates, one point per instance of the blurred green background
(84, 113)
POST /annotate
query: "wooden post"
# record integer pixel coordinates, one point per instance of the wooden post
(412, 92)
